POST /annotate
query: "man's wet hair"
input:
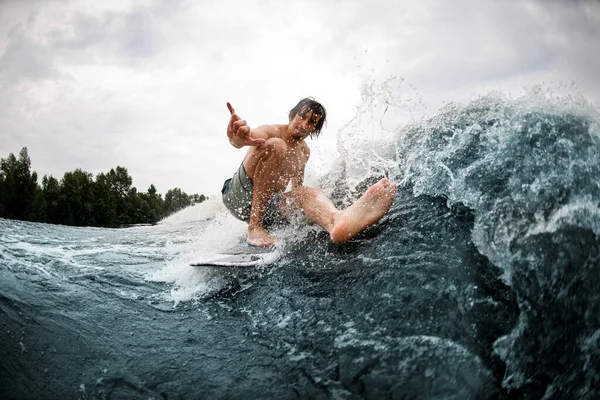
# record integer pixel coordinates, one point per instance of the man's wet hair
(309, 104)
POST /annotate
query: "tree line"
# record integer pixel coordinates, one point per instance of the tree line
(78, 199)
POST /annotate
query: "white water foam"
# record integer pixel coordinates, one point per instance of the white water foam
(203, 230)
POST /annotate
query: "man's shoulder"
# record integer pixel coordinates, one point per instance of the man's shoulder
(279, 128)
(267, 131)
(276, 128)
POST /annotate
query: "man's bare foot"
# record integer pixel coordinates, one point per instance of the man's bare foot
(367, 210)
(260, 237)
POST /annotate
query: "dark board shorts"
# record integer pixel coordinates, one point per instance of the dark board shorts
(237, 197)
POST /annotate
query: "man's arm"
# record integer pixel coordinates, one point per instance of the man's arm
(240, 134)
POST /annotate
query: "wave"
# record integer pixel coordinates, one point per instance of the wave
(527, 169)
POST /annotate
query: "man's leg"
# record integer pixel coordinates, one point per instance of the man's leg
(343, 225)
(269, 178)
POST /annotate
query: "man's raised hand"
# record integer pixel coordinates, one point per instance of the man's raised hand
(239, 132)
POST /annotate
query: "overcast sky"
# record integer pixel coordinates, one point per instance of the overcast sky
(143, 84)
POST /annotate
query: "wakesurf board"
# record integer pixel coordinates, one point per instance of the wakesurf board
(242, 255)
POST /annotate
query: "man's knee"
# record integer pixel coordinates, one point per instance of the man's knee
(275, 146)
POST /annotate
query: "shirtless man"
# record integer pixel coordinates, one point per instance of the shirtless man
(277, 154)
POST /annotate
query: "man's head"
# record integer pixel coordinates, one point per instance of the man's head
(310, 106)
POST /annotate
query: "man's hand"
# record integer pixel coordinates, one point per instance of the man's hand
(239, 132)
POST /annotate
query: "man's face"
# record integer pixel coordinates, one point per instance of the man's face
(303, 124)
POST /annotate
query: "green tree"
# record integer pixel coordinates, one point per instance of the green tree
(155, 205)
(19, 186)
(137, 208)
(175, 200)
(77, 198)
(118, 182)
(2, 192)
(105, 208)
(37, 207)
(51, 192)
(199, 198)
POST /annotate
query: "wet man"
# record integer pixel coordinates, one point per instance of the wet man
(277, 154)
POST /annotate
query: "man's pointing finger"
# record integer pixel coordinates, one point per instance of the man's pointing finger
(230, 107)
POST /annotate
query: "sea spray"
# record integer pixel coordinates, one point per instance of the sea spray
(528, 168)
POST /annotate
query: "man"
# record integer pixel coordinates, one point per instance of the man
(278, 154)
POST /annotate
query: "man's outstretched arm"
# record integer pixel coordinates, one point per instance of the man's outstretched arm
(240, 134)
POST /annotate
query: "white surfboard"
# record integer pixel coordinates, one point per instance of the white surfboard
(242, 255)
